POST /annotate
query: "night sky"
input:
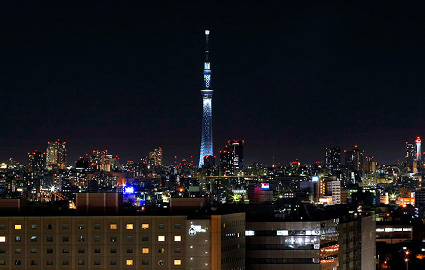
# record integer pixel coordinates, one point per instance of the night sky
(291, 78)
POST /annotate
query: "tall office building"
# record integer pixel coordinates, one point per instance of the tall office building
(410, 155)
(206, 132)
(354, 159)
(156, 156)
(36, 161)
(231, 157)
(418, 148)
(333, 158)
(56, 154)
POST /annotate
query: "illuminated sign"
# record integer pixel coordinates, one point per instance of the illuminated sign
(129, 190)
(265, 186)
(315, 179)
(194, 229)
(239, 191)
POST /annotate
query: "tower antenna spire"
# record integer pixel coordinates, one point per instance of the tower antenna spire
(207, 49)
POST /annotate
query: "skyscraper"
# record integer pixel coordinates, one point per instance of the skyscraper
(206, 132)
(410, 155)
(231, 157)
(56, 154)
(156, 156)
(333, 158)
(37, 161)
(418, 149)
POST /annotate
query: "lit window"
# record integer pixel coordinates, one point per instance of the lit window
(129, 226)
(18, 227)
(145, 250)
(282, 232)
(2, 239)
(129, 262)
(161, 238)
(177, 238)
(249, 233)
(177, 262)
(113, 226)
(145, 226)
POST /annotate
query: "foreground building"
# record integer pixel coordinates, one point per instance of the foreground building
(122, 242)
(346, 243)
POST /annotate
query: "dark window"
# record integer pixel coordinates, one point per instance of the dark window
(113, 250)
(177, 226)
(50, 250)
(65, 226)
(97, 250)
(50, 226)
(161, 226)
(97, 226)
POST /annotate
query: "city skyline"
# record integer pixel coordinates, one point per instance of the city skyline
(290, 80)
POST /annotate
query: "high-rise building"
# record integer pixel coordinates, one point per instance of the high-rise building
(56, 154)
(333, 158)
(354, 159)
(231, 157)
(237, 149)
(156, 156)
(410, 155)
(418, 148)
(36, 161)
(207, 93)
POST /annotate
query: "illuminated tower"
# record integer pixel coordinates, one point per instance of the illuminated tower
(418, 148)
(206, 136)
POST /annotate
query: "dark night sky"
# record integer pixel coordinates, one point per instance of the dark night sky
(291, 78)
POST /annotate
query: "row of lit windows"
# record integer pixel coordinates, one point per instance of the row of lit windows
(145, 250)
(96, 262)
(161, 238)
(393, 229)
(112, 226)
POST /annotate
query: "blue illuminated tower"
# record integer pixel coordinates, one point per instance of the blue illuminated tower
(206, 136)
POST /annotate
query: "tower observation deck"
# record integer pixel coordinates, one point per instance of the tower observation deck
(207, 93)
